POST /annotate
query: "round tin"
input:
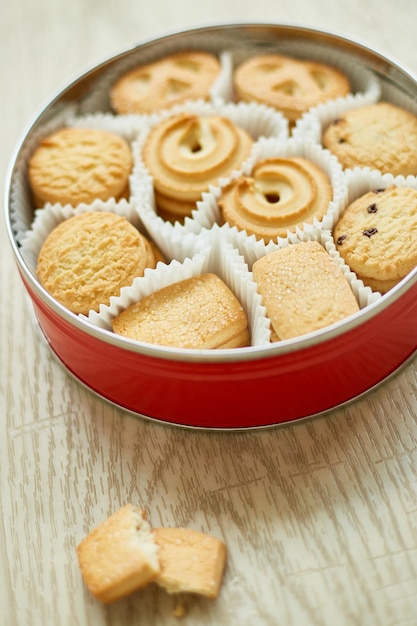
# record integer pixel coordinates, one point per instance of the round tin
(226, 389)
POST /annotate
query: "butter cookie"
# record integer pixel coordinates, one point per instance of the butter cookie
(279, 195)
(377, 234)
(381, 136)
(187, 153)
(199, 312)
(75, 165)
(303, 290)
(89, 257)
(166, 82)
(290, 85)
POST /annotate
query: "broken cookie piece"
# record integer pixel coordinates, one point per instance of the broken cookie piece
(124, 554)
(119, 556)
(191, 561)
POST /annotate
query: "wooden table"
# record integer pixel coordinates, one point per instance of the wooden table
(319, 517)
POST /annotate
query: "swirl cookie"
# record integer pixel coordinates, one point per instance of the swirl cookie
(302, 289)
(381, 136)
(89, 257)
(166, 82)
(377, 234)
(280, 194)
(185, 154)
(199, 312)
(290, 85)
(75, 165)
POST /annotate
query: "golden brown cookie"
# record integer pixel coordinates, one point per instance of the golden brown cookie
(191, 561)
(186, 153)
(290, 85)
(280, 194)
(302, 289)
(165, 82)
(377, 235)
(88, 258)
(199, 312)
(381, 136)
(75, 165)
(119, 556)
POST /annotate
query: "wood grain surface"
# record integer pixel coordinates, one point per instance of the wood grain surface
(319, 517)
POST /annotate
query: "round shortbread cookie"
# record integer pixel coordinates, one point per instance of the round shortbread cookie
(290, 85)
(377, 234)
(75, 165)
(89, 257)
(187, 153)
(199, 312)
(166, 82)
(279, 195)
(381, 136)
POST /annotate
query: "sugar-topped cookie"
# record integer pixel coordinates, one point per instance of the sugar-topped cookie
(199, 312)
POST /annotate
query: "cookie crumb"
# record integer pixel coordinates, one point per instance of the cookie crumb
(179, 610)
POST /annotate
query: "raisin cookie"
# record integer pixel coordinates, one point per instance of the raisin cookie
(381, 136)
(377, 234)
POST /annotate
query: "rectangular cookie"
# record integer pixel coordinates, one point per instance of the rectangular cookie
(303, 290)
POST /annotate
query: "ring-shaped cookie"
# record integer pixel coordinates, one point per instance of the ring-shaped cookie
(280, 194)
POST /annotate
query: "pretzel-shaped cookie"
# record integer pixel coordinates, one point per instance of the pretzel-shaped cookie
(279, 195)
(290, 85)
(166, 82)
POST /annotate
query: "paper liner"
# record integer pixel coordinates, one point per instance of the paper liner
(258, 120)
(21, 206)
(360, 180)
(98, 97)
(270, 148)
(310, 125)
(127, 126)
(47, 218)
(216, 256)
